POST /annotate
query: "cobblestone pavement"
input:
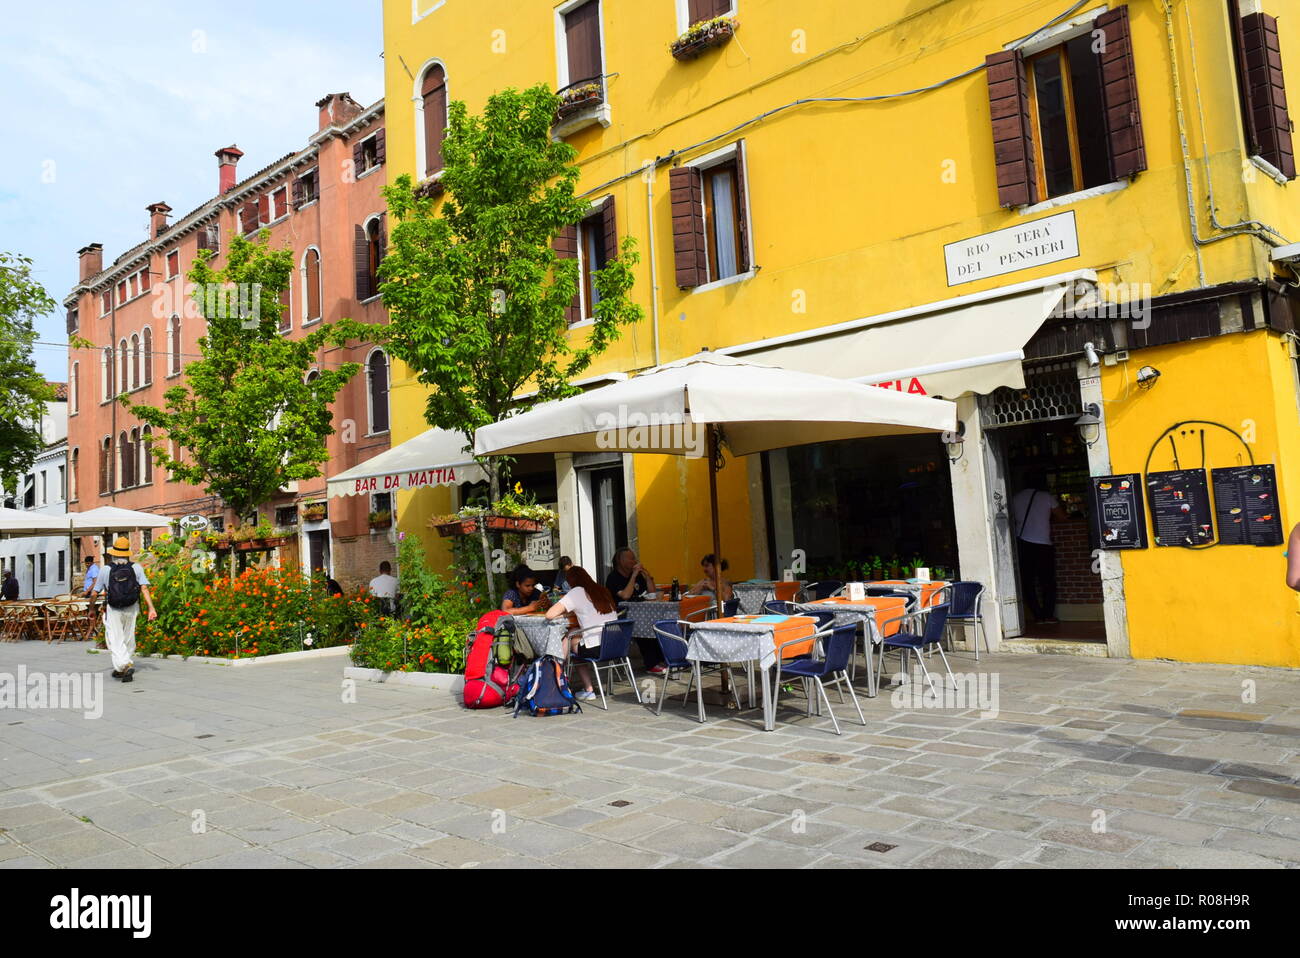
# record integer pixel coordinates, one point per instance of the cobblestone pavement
(1088, 763)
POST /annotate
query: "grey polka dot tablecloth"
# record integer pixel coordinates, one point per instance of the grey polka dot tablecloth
(644, 615)
(847, 614)
(717, 641)
(752, 594)
(546, 636)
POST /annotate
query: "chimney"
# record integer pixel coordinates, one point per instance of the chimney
(92, 260)
(337, 109)
(157, 218)
(227, 161)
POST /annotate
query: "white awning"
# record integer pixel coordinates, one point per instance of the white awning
(971, 345)
(434, 458)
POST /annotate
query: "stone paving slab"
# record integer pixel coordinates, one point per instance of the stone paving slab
(1088, 762)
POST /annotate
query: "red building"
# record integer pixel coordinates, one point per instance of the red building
(323, 202)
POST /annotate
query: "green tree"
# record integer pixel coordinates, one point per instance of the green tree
(246, 417)
(475, 290)
(23, 390)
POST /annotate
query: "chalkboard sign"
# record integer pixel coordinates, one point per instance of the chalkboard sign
(1118, 514)
(1180, 507)
(1246, 506)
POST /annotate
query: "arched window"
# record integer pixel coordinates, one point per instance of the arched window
(135, 361)
(146, 456)
(74, 387)
(433, 110)
(173, 345)
(377, 390)
(106, 374)
(74, 466)
(123, 461)
(371, 241)
(146, 345)
(123, 367)
(310, 286)
(105, 466)
(286, 308)
(311, 376)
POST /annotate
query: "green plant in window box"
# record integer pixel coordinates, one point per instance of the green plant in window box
(703, 36)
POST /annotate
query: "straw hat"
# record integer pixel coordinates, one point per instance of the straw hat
(121, 547)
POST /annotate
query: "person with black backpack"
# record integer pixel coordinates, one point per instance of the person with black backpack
(123, 584)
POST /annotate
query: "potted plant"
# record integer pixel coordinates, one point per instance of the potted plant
(314, 512)
(382, 519)
(703, 36)
(894, 569)
(577, 98)
(872, 569)
(916, 563)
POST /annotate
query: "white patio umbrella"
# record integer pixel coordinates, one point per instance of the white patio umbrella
(119, 520)
(18, 523)
(436, 457)
(697, 406)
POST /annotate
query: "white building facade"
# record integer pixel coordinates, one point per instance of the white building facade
(43, 564)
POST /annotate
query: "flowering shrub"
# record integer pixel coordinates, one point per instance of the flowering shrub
(262, 612)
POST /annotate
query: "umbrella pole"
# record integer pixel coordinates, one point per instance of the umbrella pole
(717, 544)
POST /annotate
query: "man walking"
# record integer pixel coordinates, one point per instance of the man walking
(9, 590)
(92, 576)
(123, 583)
(1033, 511)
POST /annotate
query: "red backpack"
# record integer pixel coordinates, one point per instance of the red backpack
(487, 683)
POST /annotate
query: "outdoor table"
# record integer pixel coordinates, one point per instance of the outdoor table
(870, 611)
(752, 593)
(645, 613)
(751, 638)
(64, 618)
(546, 636)
(924, 591)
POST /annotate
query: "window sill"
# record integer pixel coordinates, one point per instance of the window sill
(1068, 198)
(369, 170)
(1273, 173)
(312, 202)
(715, 284)
(598, 113)
(370, 299)
(309, 322)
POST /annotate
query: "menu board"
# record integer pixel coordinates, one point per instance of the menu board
(1118, 513)
(1180, 507)
(1246, 506)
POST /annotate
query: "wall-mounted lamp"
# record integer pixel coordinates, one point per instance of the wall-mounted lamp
(1089, 424)
(1147, 376)
(955, 442)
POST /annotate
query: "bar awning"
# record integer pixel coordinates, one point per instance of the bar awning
(972, 345)
(437, 457)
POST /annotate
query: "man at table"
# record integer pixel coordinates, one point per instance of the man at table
(630, 580)
(92, 576)
(9, 591)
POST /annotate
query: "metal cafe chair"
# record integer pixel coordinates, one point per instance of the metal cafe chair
(615, 642)
(927, 634)
(833, 664)
(967, 599)
(778, 607)
(823, 589)
(672, 643)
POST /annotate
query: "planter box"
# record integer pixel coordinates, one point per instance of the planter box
(576, 105)
(420, 680)
(462, 527)
(513, 524)
(382, 524)
(685, 50)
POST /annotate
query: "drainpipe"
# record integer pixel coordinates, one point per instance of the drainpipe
(650, 167)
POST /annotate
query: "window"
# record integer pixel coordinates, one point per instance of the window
(173, 264)
(121, 292)
(305, 189)
(63, 566)
(371, 242)
(248, 217)
(40, 564)
(105, 303)
(63, 483)
(377, 390)
(74, 321)
(433, 111)
(280, 203)
(286, 308)
(145, 465)
(710, 219)
(135, 361)
(146, 357)
(580, 55)
(125, 461)
(209, 238)
(123, 366)
(105, 466)
(74, 473)
(174, 345)
(697, 11)
(1261, 87)
(310, 286)
(44, 483)
(1065, 114)
(106, 374)
(142, 281)
(368, 154)
(74, 387)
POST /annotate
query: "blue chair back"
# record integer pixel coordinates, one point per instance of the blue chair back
(615, 640)
(935, 621)
(778, 607)
(965, 599)
(838, 648)
(671, 643)
(730, 607)
(824, 619)
(824, 589)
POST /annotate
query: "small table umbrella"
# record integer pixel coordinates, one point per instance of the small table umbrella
(696, 406)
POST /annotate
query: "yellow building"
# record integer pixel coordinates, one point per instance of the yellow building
(1043, 209)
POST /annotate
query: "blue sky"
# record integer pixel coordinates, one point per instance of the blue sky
(116, 105)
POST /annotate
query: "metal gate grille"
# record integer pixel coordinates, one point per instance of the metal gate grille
(1051, 392)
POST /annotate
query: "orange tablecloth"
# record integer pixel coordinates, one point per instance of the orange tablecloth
(887, 607)
(792, 627)
(927, 589)
(693, 604)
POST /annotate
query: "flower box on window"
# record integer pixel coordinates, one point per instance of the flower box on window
(702, 37)
(579, 97)
(314, 513)
(514, 524)
(456, 527)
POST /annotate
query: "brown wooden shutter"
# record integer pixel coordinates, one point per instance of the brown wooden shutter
(380, 151)
(263, 209)
(1128, 152)
(1013, 146)
(698, 10)
(690, 253)
(358, 159)
(248, 216)
(434, 93)
(361, 257)
(566, 247)
(609, 226)
(1266, 93)
(147, 346)
(383, 237)
(582, 36)
(742, 211)
(299, 192)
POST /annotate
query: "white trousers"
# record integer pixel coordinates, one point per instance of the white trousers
(119, 633)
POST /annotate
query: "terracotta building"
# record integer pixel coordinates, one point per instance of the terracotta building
(323, 202)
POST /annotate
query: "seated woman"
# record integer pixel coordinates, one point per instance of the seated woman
(561, 583)
(706, 585)
(523, 597)
(593, 605)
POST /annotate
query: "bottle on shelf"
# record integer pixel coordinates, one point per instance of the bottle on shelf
(677, 591)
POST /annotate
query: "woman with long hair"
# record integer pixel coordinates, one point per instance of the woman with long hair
(713, 574)
(593, 605)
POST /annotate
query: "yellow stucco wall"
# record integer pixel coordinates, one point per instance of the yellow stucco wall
(852, 203)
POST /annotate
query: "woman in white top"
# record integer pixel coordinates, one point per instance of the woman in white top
(593, 605)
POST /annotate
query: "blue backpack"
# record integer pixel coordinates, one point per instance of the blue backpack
(543, 689)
